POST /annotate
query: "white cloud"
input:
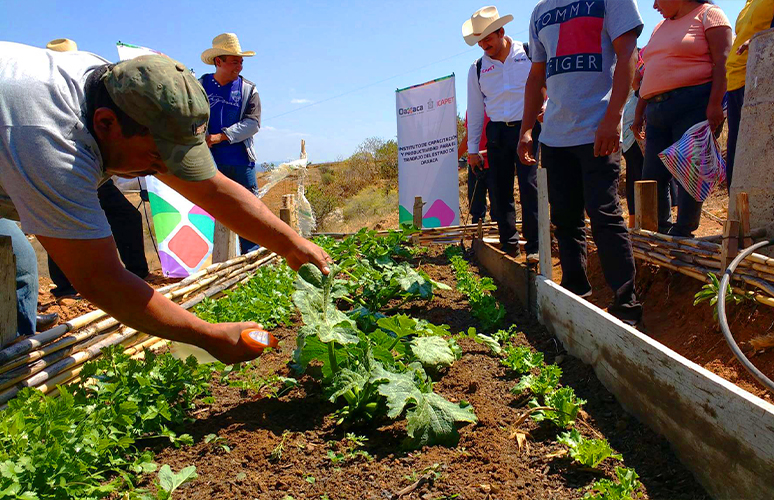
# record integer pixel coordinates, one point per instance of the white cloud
(300, 101)
(267, 128)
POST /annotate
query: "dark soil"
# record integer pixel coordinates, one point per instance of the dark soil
(487, 463)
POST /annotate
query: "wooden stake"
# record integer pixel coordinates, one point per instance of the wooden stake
(480, 230)
(223, 244)
(730, 246)
(7, 292)
(418, 206)
(743, 212)
(544, 225)
(646, 205)
(288, 211)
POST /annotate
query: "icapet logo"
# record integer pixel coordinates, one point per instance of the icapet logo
(444, 101)
(487, 70)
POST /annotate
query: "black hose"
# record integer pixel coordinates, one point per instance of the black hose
(724, 284)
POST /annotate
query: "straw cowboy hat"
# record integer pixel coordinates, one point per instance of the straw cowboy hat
(483, 22)
(225, 44)
(62, 45)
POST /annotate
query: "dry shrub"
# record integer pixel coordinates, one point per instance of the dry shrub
(369, 203)
(323, 203)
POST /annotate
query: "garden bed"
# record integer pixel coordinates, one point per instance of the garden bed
(290, 446)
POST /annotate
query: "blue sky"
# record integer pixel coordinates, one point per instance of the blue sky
(306, 52)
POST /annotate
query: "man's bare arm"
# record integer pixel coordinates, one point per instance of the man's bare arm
(608, 134)
(533, 102)
(241, 211)
(92, 266)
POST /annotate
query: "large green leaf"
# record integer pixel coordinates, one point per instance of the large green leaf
(400, 389)
(434, 420)
(315, 302)
(169, 481)
(433, 352)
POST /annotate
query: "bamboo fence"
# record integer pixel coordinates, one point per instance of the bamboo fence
(56, 356)
(697, 258)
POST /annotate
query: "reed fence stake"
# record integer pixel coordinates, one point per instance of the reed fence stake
(743, 212)
(646, 205)
(730, 246)
(544, 225)
(7, 292)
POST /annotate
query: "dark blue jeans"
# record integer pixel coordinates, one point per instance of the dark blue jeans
(504, 165)
(735, 103)
(578, 181)
(26, 278)
(667, 121)
(245, 176)
(478, 185)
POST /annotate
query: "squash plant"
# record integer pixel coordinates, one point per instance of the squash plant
(381, 373)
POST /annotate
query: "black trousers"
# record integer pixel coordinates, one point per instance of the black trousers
(666, 122)
(126, 224)
(735, 103)
(478, 185)
(504, 165)
(578, 181)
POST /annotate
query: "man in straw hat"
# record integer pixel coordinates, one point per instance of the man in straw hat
(235, 114)
(496, 88)
(68, 120)
(585, 53)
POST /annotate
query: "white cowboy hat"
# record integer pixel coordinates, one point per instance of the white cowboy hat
(62, 45)
(225, 44)
(483, 22)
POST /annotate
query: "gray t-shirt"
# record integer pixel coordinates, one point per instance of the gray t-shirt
(50, 165)
(575, 40)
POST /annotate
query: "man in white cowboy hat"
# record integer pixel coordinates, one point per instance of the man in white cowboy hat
(585, 53)
(62, 45)
(235, 114)
(70, 120)
(496, 85)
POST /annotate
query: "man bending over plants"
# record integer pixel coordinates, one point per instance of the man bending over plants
(69, 120)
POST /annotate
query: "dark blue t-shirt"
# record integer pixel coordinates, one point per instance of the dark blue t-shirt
(225, 106)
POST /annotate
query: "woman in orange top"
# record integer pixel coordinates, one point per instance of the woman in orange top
(684, 84)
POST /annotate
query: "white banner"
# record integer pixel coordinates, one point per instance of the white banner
(427, 152)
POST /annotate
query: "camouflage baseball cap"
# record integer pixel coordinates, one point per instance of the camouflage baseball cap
(162, 94)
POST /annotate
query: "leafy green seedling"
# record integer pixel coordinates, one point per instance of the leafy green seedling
(276, 453)
(624, 489)
(539, 385)
(491, 342)
(170, 481)
(587, 452)
(218, 442)
(561, 408)
(521, 359)
(711, 292)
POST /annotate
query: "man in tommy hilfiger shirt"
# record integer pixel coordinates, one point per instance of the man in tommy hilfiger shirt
(496, 85)
(584, 52)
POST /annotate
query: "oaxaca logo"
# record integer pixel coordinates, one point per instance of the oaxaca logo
(411, 110)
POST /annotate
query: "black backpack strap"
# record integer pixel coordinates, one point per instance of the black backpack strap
(526, 49)
(478, 70)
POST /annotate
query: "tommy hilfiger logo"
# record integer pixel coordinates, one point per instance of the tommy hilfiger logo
(579, 45)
